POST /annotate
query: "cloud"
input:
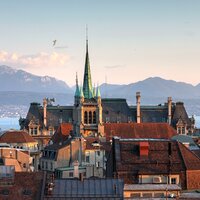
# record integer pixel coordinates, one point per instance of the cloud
(41, 59)
(115, 66)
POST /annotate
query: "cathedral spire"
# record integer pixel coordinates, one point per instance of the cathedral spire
(87, 81)
(77, 93)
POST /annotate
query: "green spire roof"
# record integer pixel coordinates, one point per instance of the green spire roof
(98, 94)
(81, 92)
(77, 93)
(87, 81)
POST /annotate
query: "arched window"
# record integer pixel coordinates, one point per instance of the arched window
(94, 118)
(90, 117)
(85, 117)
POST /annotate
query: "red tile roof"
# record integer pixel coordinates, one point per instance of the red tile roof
(62, 133)
(139, 130)
(16, 137)
(164, 157)
(191, 160)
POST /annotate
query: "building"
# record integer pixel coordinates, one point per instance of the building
(20, 140)
(20, 185)
(23, 141)
(154, 161)
(62, 154)
(80, 189)
(18, 158)
(90, 113)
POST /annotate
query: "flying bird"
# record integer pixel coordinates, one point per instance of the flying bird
(54, 42)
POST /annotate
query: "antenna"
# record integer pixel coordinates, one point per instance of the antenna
(76, 79)
(86, 32)
(86, 38)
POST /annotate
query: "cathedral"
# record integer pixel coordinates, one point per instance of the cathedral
(91, 115)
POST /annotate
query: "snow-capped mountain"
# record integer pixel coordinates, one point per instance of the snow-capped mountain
(19, 80)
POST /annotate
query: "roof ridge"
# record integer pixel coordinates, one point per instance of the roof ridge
(179, 144)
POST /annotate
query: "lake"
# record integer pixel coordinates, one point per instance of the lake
(13, 123)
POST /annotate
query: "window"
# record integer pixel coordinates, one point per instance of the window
(71, 174)
(31, 131)
(107, 119)
(94, 118)
(179, 130)
(50, 131)
(97, 164)
(46, 165)
(85, 117)
(24, 165)
(35, 131)
(98, 153)
(183, 130)
(173, 180)
(90, 117)
(87, 159)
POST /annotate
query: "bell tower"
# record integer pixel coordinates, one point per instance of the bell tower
(87, 112)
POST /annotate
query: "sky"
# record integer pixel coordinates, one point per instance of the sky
(129, 40)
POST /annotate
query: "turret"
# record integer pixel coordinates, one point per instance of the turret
(77, 92)
(98, 95)
(81, 95)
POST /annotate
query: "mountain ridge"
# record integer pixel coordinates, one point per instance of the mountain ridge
(19, 80)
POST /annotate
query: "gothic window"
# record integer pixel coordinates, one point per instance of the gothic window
(90, 117)
(86, 117)
(94, 118)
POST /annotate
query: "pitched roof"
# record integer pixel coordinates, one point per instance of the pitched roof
(197, 152)
(15, 136)
(158, 113)
(115, 109)
(54, 114)
(164, 156)
(88, 188)
(180, 112)
(139, 130)
(62, 133)
(191, 160)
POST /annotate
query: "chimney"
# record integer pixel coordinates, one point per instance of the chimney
(138, 106)
(45, 111)
(169, 110)
(76, 169)
(144, 148)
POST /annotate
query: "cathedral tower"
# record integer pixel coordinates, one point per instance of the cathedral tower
(87, 112)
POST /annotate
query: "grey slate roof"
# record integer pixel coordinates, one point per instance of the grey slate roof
(115, 110)
(55, 114)
(88, 189)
